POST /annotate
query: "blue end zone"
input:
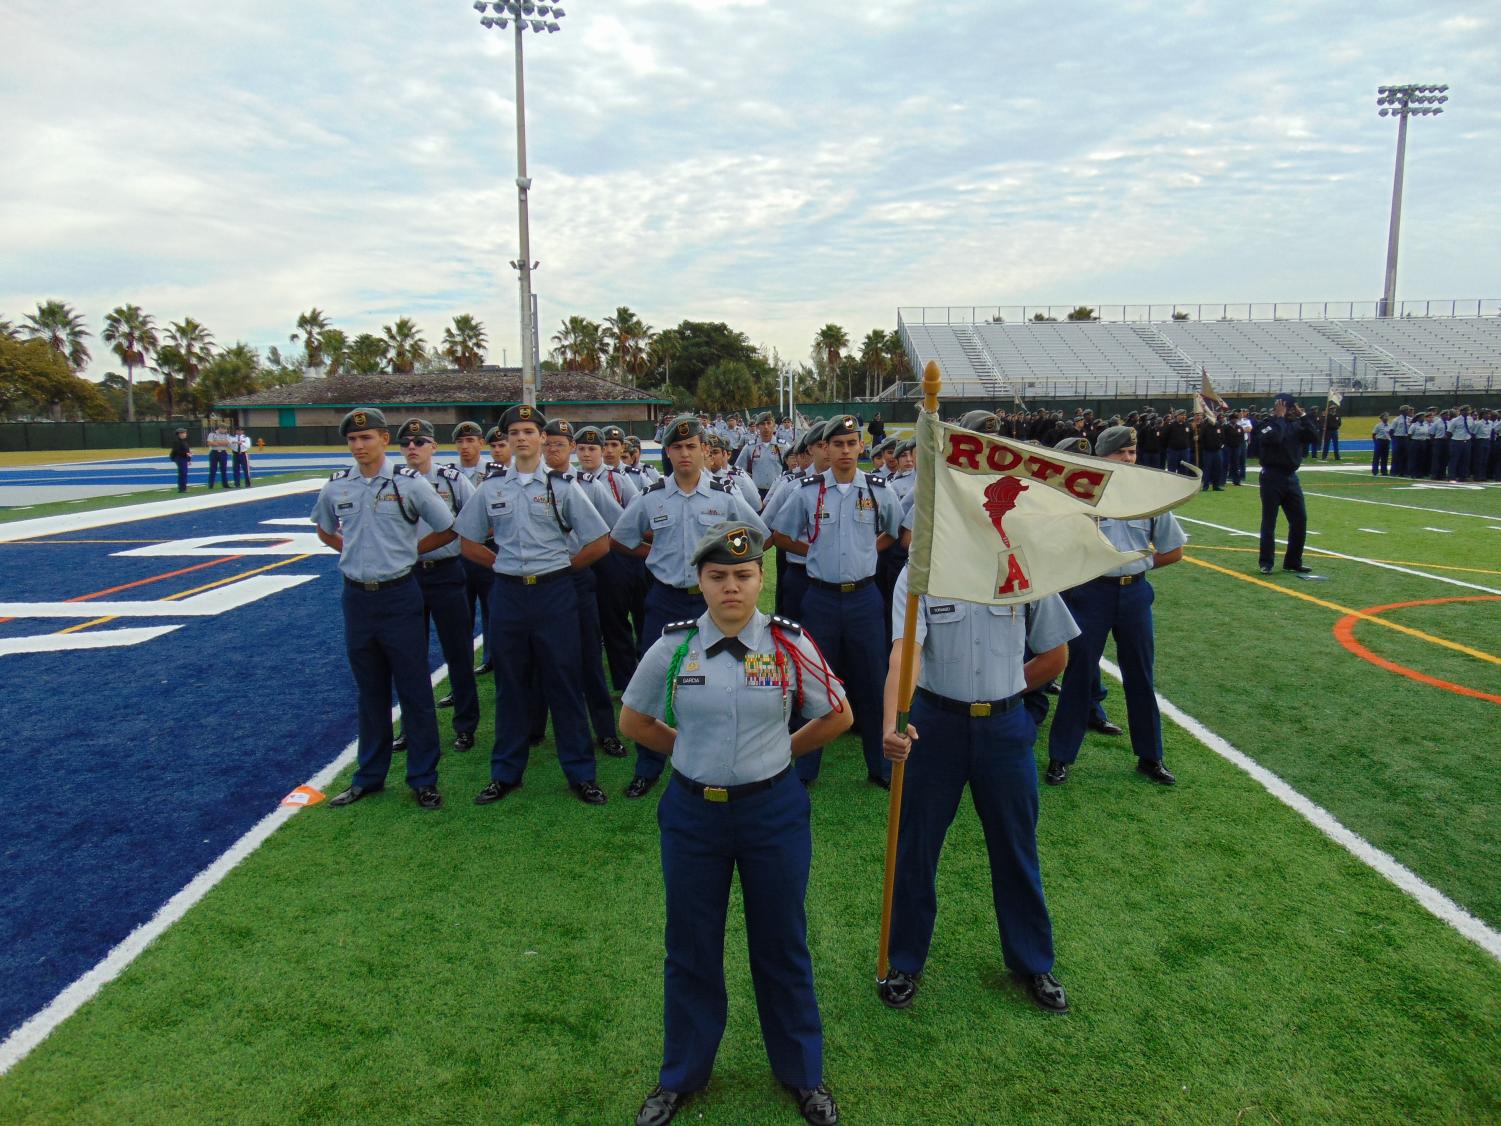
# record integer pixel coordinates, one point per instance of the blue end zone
(126, 771)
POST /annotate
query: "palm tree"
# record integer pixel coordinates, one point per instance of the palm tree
(579, 344)
(335, 345)
(464, 343)
(829, 346)
(665, 347)
(367, 354)
(628, 337)
(873, 355)
(7, 330)
(62, 329)
(187, 347)
(406, 345)
(132, 336)
(312, 328)
(901, 366)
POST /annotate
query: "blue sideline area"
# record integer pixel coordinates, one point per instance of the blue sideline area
(157, 472)
(126, 771)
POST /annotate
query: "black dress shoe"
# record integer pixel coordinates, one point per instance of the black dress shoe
(354, 794)
(429, 798)
(589, 793)
(1045, 991)
(817, 1104)
(639, 787)
(1104, 727)
(1154, 769)
(660, 1106)
(897, 990)
(877, 780)
(485, 669)
(1266, 568)
(1057, 773)
(612, 746)
(495, 791)
(446, 702)
(463, 741)
(399, 744)
(1298, 570)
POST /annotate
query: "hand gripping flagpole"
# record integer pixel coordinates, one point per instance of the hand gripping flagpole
(931, 381)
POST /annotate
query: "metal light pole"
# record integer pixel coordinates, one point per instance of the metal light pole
(524, 15)
(1402, 102)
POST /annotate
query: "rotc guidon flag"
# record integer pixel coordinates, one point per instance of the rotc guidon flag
(1003, 522)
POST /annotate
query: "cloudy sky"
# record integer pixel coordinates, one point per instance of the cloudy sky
(772, 164)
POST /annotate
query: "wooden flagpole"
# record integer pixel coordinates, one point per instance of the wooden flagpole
(932, 380)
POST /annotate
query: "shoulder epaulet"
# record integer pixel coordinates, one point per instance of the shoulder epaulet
(813, 480)
(586, 478)
(661, 483)
(876, 479)
(722, 486)
(636, 469)
(560, 474)
(449, 471)
(406, 471)
(787, 624)
(679, 627)
(339, 473)
(495, 469)
(789, 474)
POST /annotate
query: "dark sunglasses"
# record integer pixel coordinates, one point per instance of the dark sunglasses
(405, 442)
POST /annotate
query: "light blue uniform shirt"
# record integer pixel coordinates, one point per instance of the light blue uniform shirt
(731, 713)
(762, 460)
(620, 478)
(677, 521)
(973, 652)
(1461, 428)
(741, 483)
(524, 521)
(453, 490)
(643, 476)
(903, 483)
(1400, 425)
(380, 531)
(848, 523)
(777, 494)
(1381, 430)
(1418, 431)
(473, 474)
(603, 500)
(1162, 533)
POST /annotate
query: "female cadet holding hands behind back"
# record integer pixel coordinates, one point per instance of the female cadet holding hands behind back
(715, 693)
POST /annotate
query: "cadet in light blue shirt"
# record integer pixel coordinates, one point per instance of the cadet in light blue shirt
(841, 519)
(370, 515)
(1462, 430)
(663, 526)
(970, 726)
(469, 440)
(620, 580)
(762, 457)
(529, 512)
(1118, 603)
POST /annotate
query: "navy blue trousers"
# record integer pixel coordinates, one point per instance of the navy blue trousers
(792, 584)
(1399, 455)
(663, 604)
(1282, 490)
(1176, 458)
(242, 465)
(1214, 469)
(597, 700)
(993, 756)
(1438, 454)
(182, 476)
(447, 610)
(1101, 609)
(478, 580)
(848, 629)
(386, 640)
(1459, 460)
(1380, 449)
(766, 837)
(619, 588)
(536, 628)
(1418, 457)
(218, 463)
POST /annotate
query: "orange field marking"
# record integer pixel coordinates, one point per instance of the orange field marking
(1393, 562)
(1344, 631)
(141, 582)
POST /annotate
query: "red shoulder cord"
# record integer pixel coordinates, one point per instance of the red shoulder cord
(817, 514)
(819, 670)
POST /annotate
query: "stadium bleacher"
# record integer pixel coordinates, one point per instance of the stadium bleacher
(999, 359)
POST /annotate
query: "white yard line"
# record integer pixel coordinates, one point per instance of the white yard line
(1391, 504)
(1373, 531)
(1388, 867)
(176, 506)
(20, 1043)
(1442, 531)
(1354, 558)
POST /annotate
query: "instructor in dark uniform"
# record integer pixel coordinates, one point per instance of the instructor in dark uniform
(1283, 439)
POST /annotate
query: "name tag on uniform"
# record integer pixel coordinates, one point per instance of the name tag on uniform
(682, 680)
(344, 506)
(934, 611)
(500, 507)
(661, 519)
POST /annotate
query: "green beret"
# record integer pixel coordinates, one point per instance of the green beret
(416, 428)
(765, 416)
(682, 428)
(728, 542)
(588, 436)
(467, 430)
(362, 418)
(613, 433)
(1114, 439)
(839, 426)
(981, 422)
(558, 428)
(1076, 443)
(495, 434)
(522, 412)
(818, 432)
(632, 441)
(907, 447)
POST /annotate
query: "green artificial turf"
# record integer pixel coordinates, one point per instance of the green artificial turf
(1225, 962)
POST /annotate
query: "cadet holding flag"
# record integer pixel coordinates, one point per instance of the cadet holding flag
(370, 514)
(841, 520)
(530, 512)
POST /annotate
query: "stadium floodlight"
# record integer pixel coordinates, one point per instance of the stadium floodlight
(1402, 102)
(516, 12)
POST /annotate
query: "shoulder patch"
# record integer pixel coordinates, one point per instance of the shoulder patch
(656, 485)
(679, 627)
(337, 474)
(495, 469)
(787, 624)
(449, 471)
(406, 471)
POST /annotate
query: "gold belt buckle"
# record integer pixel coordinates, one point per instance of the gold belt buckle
(528, 580)
(371, 586)
(1127, 580)
(846, 588)
(979, 711)
(716, 794)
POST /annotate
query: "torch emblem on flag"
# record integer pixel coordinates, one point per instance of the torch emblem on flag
(1000, 498)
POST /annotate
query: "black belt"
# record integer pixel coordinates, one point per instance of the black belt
(534, 580)
(378, 586)
(434, 564)
(728, 793)
(842, 588)
(975, 708)
(695, 589)
(1122, 580)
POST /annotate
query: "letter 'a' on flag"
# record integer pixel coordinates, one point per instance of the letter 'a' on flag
(1002, 522)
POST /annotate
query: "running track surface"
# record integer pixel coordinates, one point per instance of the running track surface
(125, 771)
